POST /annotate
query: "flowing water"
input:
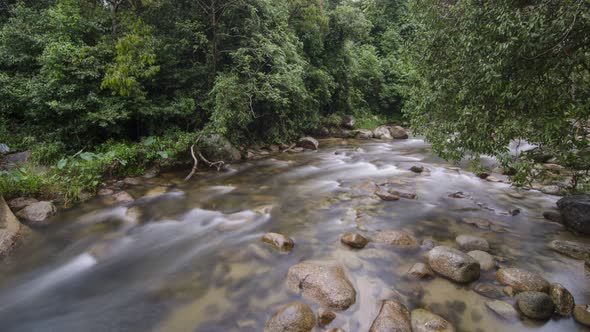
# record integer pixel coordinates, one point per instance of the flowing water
(195, 262)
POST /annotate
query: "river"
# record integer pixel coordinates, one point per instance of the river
(194, 261)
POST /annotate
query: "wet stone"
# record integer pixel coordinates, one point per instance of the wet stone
(385, 196)
(425, 321)
(336, 330)
(20, 203)
(393, 316)
(554, 216)
(485, 260)
(403, 194)
(294, 317)
(508, 290)
(279, 241)
(308, 143)
(582, 314)
(324, 283)
(458, 194)
(453, 264)
(470, 243)
(535, 305)
(479, 223)
(427, 245)
(503, 309)
(37, 213)
(572, 249)
(123, 197)
(399, 239)
(420, 271)
(325, 317)
(522, 280)
(562, 299)
(417, 169)
(487, 290)
(354, 240)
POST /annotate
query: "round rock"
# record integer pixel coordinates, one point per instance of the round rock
(582, 314)
(503, 309)
(279, 241)
(393, 316)
(399, 239)
(426, 321)
(522, 280)
(37, 213)
(470, 243)
(354, 240)
(325, 317)
(420, 271)
(535, 305)
(562, 299)
(294, 317)
(485, 260)
(453, 264)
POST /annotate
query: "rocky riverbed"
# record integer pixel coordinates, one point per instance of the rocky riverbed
(359, 235)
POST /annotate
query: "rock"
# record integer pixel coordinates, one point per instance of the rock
(477, 222)
(400, 239)
(458, 194)
(426, 321)
(21, 203)
(37, 213)
(508, 290)
(336, 330)
(152, 172)
(582, 314)
(274, 148)
(562, 299)
(12, 232)
(398, 132)
(218, 148)
(535, 305)
(553, 216)
(453, 264)
(552, 190)
(427, 245)
(348, 121)
(296, 150)
(294, 317)
(363, 134)
(403, 194)
(503, 309)
(482, 175)
(522, 280)
(485, 260)
(575, 211)
(393, 316)
(417, 169)
(123, 197)
(279, 241)
(136, 181)
(470, 243)
(325, 317)
(572, 249)
(309, 143)
(382, 132)
(514, 212)
(14, 160)
(515, 195)
(105, 192)
(487, 290)
(156, 191)
(493, 179)
(420, 271)
(323, 283)
(354, 240)
(385, 196)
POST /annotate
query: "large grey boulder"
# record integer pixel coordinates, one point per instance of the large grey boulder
(324, 283)
(575, 212)
(218, 148)
(12, 232)
(453, 264)
(398, 132)
(38, 213)
(393, 316)
(294, 317)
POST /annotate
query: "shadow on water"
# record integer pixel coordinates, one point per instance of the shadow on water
(192, 259)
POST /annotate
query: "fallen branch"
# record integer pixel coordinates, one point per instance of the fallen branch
(216, 164)
(290, 148)
(196, 156)
(195, 166)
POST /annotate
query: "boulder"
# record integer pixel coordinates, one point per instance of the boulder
(453, 264)
(279, 241)
(426, 321)
(393, 316)
(470, 243)
(562, 299)
(14, 160)
(12, 232)
(503, 310)
(354, 240)
(485, 260)
(382, 132)
(417, 169)
(582, 314)
(399, 239)
(218, 148)
(20, 203)
(325, 317)
(37, 213)
(575, 211)
(487, 290)
(363, 134)
(348, 121)
(398, 132)
(420, 271)
(522, 280)
(294, 317)
(554, 216)
(309, 143)
(535, 305)
(572, 249)
(324, 283)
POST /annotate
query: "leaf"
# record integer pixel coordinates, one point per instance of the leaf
(88, 156)
(163, 154)
(62, 163)
(149, 141)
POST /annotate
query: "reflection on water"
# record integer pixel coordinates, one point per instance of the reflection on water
(192, 260)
